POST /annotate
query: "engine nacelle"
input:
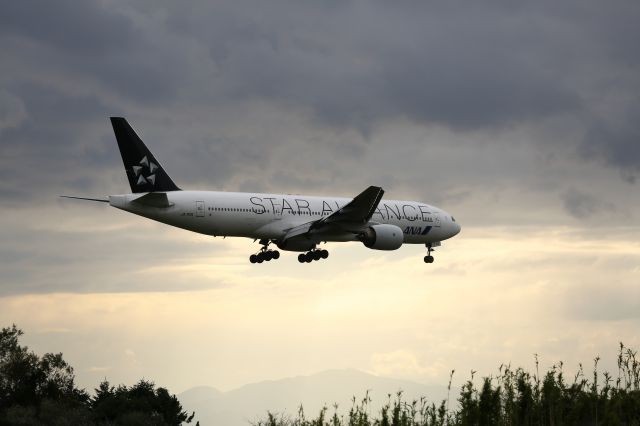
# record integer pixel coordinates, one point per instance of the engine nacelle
(382, 237)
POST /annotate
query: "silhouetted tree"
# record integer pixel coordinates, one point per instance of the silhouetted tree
(41, 390)
(32, 386)
(140, 404)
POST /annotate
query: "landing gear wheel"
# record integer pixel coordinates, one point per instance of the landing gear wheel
(428, 258)
(311, 255)
(264, 255)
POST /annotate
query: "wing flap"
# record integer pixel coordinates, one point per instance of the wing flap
(298, 230)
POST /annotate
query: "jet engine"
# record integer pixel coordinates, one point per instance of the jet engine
(382, 237)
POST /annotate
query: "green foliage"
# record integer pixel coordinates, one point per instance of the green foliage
(140, 404)
(41, 390)
(513, 398)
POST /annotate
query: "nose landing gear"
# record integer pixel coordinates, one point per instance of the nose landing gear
(428, 258)
(264, 255)
(310, 256)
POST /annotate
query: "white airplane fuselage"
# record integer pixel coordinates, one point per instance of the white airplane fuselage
(267, 216)
(291, 222)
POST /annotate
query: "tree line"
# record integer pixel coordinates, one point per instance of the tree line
(41, 390)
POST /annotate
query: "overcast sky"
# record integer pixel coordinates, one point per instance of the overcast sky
(521, 120)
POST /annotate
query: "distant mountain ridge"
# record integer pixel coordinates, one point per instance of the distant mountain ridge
(250, 402)
(200, 393)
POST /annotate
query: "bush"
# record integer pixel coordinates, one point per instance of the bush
(513, 398)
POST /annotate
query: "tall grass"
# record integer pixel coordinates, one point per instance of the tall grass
(514, 397)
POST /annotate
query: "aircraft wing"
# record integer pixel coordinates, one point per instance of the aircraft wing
(353, 217)
(358, 212)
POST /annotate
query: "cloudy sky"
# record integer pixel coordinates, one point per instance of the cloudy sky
(521, 120)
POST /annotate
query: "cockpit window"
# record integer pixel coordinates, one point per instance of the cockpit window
(453, 218)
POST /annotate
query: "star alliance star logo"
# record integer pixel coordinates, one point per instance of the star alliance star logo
(145, 166)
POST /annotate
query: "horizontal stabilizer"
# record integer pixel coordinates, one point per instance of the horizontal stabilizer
(102, 200)
(154, 199)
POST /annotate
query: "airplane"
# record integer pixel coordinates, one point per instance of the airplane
(297, 223)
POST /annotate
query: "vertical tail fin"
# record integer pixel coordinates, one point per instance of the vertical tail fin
(144, 172)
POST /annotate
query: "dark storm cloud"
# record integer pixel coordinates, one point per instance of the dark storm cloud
(360, 63)
(479, 67)
(84, 27)
(99, 42)
(582, 205)
(294, 96)
(617, 143)
(49, 142)
(66, 68)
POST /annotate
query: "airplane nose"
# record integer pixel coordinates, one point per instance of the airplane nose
(457, 228)
(454, 228)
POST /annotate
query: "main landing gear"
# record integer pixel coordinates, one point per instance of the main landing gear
(310, 256)
(264, 254)
(428, 258)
